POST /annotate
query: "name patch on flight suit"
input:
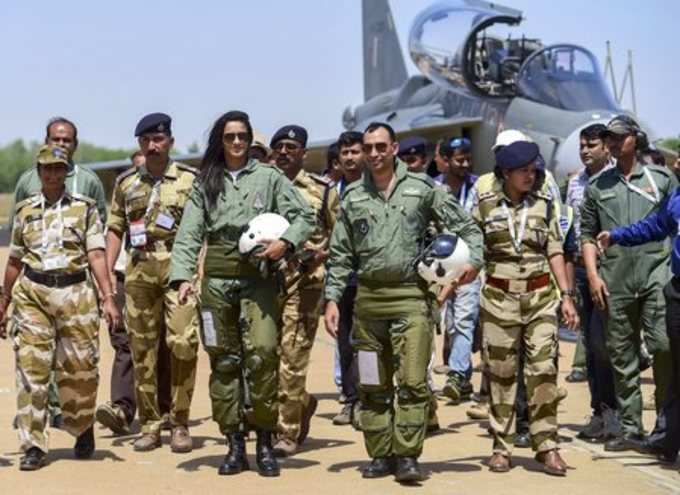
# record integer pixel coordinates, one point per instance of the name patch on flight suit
(360, 226)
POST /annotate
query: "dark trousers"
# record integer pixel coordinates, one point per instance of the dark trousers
(666, 434)
(349, 371)
(122, 371)
(600, 373)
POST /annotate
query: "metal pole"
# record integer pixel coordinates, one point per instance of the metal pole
(632, 81)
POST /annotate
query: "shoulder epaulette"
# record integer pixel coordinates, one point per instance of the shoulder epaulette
(187, 168)
(325, 181)
(352, 187)
(26, 202)
(423, 177)
(543, 195)
(659, 170)
(125, 175)
(84, 199)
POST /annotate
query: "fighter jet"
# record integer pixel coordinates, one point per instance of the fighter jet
(477, 77)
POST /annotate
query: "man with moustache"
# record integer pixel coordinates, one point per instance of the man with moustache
(413, 152)
(147, 206)
(628, 284)
(382, 218)
(351, 159)
(463, 309)
(301, 303)
(603, 423)
(79, 180)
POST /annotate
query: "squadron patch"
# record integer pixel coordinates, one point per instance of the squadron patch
(361, 226)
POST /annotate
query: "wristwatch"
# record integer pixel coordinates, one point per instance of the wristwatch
(568, 292)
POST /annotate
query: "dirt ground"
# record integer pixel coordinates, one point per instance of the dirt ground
(454, 459)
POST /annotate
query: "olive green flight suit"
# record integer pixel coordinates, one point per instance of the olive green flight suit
(379, 238)
(635, 278)
(239, 308)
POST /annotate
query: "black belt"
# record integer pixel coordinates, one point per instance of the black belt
(55, 280)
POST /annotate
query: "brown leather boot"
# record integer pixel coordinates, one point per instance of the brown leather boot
(148, 441)
(181, 440)
(553, 463)
(499, 463)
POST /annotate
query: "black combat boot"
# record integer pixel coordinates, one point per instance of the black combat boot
(264, 455)
(235, 461)
(84, 447)
(408, 470)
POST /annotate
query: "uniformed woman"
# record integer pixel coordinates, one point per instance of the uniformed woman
(57, 241)
(524, 258)
(239, 310)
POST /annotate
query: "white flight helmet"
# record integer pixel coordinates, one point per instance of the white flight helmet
(509, 136)
(264, 226)
(443, 260)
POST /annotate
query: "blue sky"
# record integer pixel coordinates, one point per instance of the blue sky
(105, 64)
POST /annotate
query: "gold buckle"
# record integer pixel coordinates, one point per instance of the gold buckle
(517, 286)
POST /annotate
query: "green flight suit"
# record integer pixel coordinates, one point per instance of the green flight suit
(379, 239)
(239, 308)
(79, 180)
(635, 278)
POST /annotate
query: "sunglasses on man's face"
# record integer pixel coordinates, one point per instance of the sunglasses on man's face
(380, 148)
(286, 145)
(230, 137)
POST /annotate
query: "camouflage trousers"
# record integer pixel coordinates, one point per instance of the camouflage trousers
(240, 333)
(511, 322)
(148, 302)
(54, 329)
(299, 321)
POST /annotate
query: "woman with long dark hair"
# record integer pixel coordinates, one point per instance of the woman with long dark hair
(238, 303)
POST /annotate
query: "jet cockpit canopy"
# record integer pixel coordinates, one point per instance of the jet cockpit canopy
(468, 45)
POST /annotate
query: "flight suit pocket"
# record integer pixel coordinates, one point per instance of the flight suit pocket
(211, 328)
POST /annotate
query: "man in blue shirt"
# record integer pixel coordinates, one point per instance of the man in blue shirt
(665, 439)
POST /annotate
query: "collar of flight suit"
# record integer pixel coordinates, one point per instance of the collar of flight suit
(400, 171)
(638, 171)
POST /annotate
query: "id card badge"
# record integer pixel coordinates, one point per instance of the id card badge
(55, 262)
(138, 233)
(165, 221)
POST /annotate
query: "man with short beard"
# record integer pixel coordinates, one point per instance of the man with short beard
(351, 158)
(603, 423)
(301, 304)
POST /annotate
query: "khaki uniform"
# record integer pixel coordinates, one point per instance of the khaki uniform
(79, 181)
(378, 238)
(55, 327)
(516, 318)
(301, 306)
(149, 212)
(239, 308)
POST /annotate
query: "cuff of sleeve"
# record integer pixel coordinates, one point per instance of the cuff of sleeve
(554, 249)
(96, 242)
(615, 236)
(332, 295)
(179, 275)
(16, 252)
(289, 237)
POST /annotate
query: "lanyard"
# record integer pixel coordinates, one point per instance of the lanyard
(153, 198)
(517, 236)
(463, 193)
(655, 198)
(44, 225)
(75, 179)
